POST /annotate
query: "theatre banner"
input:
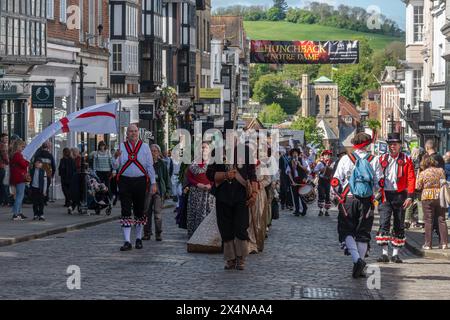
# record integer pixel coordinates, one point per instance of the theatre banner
(304, 52)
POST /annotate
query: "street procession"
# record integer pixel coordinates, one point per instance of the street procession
(202, 150)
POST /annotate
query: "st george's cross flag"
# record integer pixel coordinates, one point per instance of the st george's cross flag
(98, 119)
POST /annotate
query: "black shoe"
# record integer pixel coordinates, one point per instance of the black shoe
(158, 237)
(297, 214)
(358, 268)
(303, 213)
(126, 247)
(138, 244)
(320, 213)
(384, 259)
(41, 218)
(22, 216)
(396, 259)
(327, 214)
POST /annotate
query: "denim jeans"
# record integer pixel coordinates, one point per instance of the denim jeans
(20, 193)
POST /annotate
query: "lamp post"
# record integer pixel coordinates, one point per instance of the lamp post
(83, 190)
(392, 121)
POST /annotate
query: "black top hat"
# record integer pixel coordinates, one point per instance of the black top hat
(394, 137)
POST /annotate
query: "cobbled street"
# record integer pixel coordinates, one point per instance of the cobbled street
(301, 260)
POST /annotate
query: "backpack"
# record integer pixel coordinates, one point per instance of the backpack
(361, 181)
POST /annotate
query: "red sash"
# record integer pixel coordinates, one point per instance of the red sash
(133, 159)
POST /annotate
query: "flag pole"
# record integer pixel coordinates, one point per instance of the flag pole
(119, 129)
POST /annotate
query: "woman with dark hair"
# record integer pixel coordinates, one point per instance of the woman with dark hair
(102, 164)
(429, 182)
(200, 201)
(66, 169)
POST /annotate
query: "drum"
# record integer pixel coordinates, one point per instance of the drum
(308, 193)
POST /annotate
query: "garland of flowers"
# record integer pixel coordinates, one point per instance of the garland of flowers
(168, 106)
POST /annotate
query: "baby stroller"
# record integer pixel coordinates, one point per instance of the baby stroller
(96, 194)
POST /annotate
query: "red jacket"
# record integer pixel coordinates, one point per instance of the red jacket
(406, 177)
(18, 168)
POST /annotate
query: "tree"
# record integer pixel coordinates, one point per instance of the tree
(354, 80)
(272, 114)
(281, 4)
(313, 134)
(275, 14)
(270, 89)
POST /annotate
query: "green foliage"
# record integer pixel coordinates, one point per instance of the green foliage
(373, 124)
(345, 17)
(275, 14)
(272, 114)
(271, 89)
(313, 134)
(256, 71)
(354, 80)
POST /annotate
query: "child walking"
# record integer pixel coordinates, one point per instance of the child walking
(38, 188)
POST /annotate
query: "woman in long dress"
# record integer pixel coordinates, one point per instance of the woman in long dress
(258, 214)
(200, 202)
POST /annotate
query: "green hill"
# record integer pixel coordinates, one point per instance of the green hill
(281, 30)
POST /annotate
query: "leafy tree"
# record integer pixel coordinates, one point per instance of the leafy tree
(256, 71)
(353, 80)
(271, 89)
(280, 4)
(275, 14)
(272, 114)
(313, 134)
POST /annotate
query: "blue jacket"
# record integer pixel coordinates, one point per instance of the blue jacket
(447, 171)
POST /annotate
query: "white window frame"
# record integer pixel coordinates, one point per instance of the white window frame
(63, 11)
(418, 34)
(51, 9)
(417, 87)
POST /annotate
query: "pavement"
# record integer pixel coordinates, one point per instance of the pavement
(57, 221)
(301, 261)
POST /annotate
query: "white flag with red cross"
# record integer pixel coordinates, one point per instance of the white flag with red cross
(98, 119)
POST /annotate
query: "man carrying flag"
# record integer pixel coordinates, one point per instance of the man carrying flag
(136, 173)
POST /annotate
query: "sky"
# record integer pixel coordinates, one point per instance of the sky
(393, 9)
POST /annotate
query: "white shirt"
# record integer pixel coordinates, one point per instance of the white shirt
(319, 167)
(144, 157)
(345, 168)
(390, 179)
(303, 163)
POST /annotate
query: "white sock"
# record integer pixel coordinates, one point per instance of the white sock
(139, 228)
(352, 248)
(362, 249)
(127, 233)
(395, 251)
(385, 250)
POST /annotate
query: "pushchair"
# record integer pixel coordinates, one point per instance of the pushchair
(96, 195)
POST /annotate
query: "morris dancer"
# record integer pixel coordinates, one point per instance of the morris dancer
(324, 170)
(398, 194)
(135, 162)
(359, 173)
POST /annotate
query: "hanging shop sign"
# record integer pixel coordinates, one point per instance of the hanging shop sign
(43, 97)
